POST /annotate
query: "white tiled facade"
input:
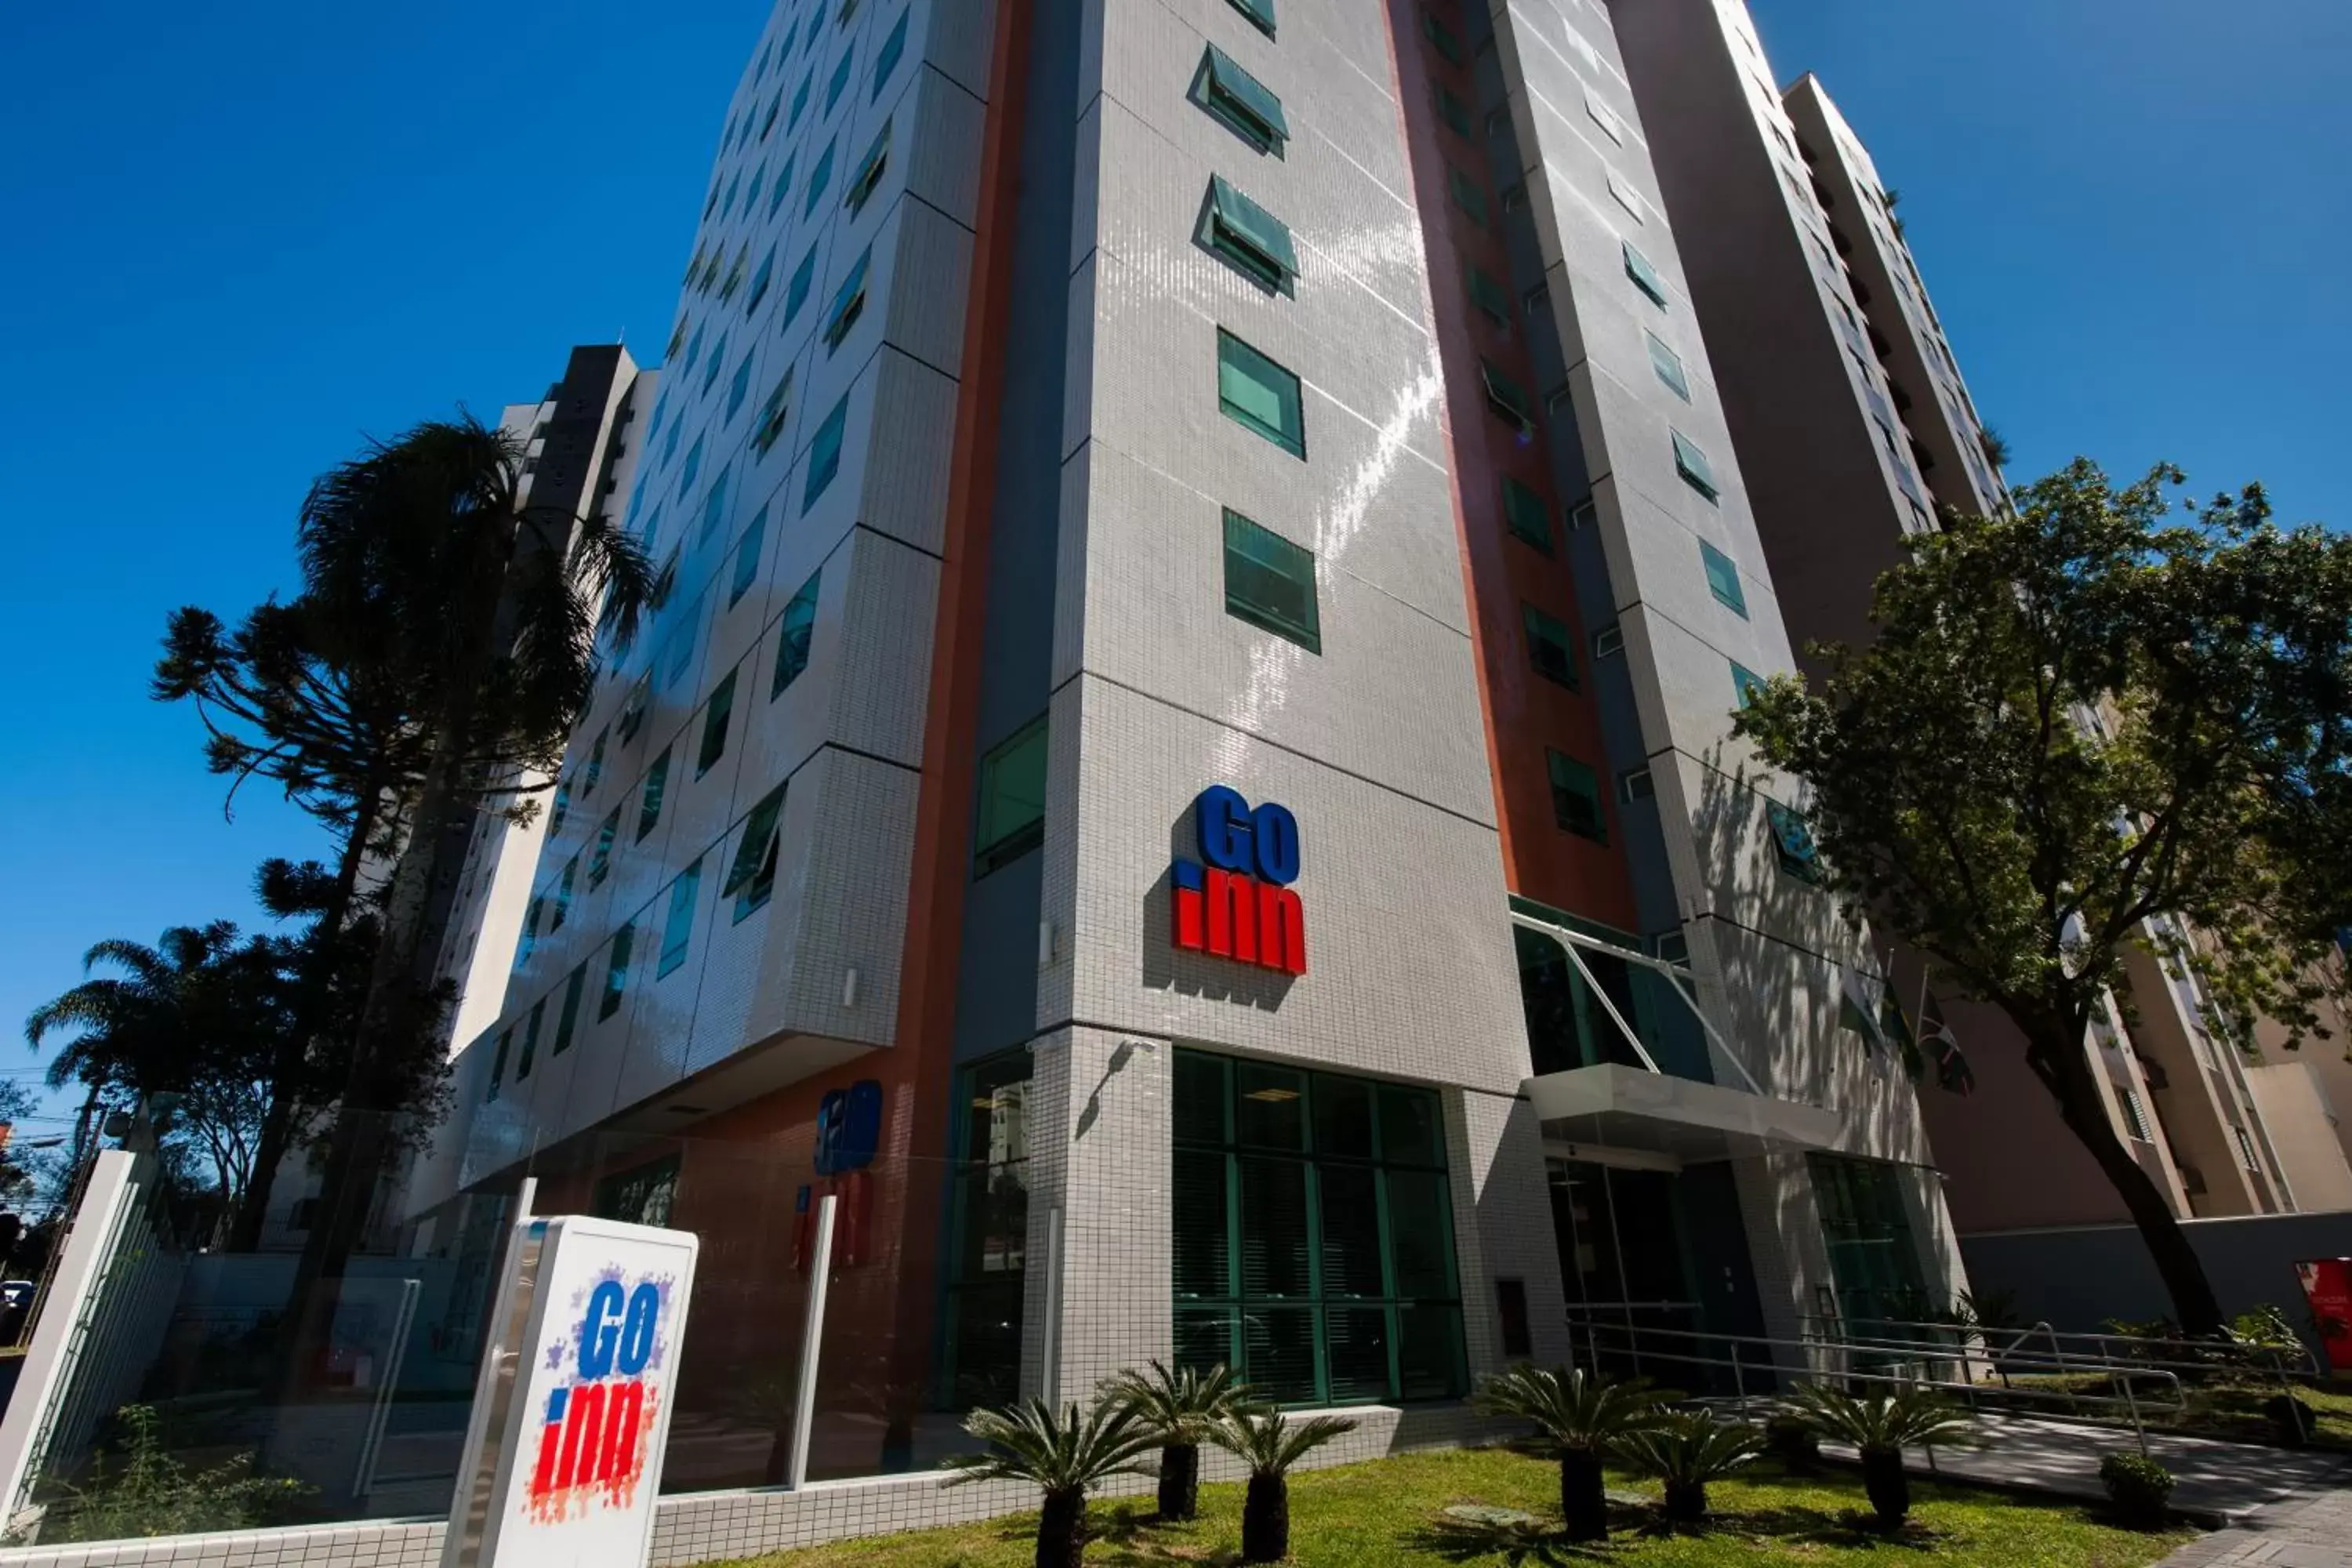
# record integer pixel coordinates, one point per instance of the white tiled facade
(1108, 565)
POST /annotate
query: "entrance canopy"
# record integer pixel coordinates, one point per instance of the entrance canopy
(1611, 1107)
(1648, 1113)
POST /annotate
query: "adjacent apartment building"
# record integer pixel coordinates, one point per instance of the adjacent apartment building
(1184, 775)
(1854, 427)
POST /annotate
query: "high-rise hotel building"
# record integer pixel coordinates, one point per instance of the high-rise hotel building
(1186, 773)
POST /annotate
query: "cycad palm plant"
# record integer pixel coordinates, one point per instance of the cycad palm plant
(1688, 1449)
(1181, 1408)
(1581, 1415)
(1269, 1442)
(1880, 1426)
(1064, 1453)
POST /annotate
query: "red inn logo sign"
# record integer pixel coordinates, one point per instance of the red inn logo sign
(1236, 900)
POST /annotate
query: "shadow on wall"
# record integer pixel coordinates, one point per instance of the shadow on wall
(1167, 967)
(1784, 993)
(2077, 1278)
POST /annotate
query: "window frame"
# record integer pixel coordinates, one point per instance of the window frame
(1227, 361)
(1241, 530)
(1009, 844)
(1223, 90)
(1570, 778)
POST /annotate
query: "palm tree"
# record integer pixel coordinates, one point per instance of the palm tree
(1880, 1426)
(1064, 1453)
(1581, 1415)
(194, 1005)
(1688, 1449)
(1181, 1408)
(1269, 1442)
(483, 609)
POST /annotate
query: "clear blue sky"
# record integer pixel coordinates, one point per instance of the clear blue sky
(240, 238)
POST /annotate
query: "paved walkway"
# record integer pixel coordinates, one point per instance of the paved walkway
(2228, 1480)
(2302, 1532)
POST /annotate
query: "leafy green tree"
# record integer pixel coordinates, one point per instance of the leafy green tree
(1879, 1426)
(1581, 1416)
(1065, 1454)
(2077, 729)
(1270, 1443)
(1182, 1408)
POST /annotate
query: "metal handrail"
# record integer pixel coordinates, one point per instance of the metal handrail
(2191, 1355)
(1907, 1362)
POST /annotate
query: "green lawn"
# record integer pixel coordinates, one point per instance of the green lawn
(1389, 1514)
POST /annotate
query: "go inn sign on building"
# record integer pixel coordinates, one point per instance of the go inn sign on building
(1236, 902)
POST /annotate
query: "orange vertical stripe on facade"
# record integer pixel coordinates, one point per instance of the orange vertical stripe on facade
(1524, 712)
(924, 1037)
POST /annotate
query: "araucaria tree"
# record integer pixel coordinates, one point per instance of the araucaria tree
(2096, 725)
(482, 611)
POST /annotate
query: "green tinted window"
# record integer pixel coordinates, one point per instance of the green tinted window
(1575, 797)
(1253, 240)
(1469, 196)
(649, 806)
(1312, 1230)
(1254, 390)
(1691, 465)
(1745, 682)
(1258, 11)
(825, 453)
(1441, 36)
(677, 928)
(1506, 397)
(1489, 297)
(1723, 578)
(1270, 583)
(714, 725)
(1525, 515)
(1548, 648)
(747, 559)
(793, 633)
(616, 972)
(751, 874)
(1012, 798)
(1644, 275)
(1669, 366)
(1452, 110)
(1242, 101)
(568, 1020)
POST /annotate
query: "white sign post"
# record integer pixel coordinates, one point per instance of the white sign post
(564, 1454)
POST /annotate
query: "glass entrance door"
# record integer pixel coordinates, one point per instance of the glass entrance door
(1630, 1305)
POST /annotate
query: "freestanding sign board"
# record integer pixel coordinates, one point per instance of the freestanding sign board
(564, 1452)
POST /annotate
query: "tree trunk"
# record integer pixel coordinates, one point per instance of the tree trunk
(2066, 1071)
(1888, 1485)
(400, 982)
(276, 1136)
(1062, 1530)
(1179, 1481)
(1583, 1496)
(1265, 1520)
(1685, 1501)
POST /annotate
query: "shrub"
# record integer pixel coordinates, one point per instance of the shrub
(1880, 1427)
(1182, 1408)
(1063, 1453)
(2139, 1486)
(1687, 1450)
(1269, 1442)
(146, 1492)
(1580, 1415)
